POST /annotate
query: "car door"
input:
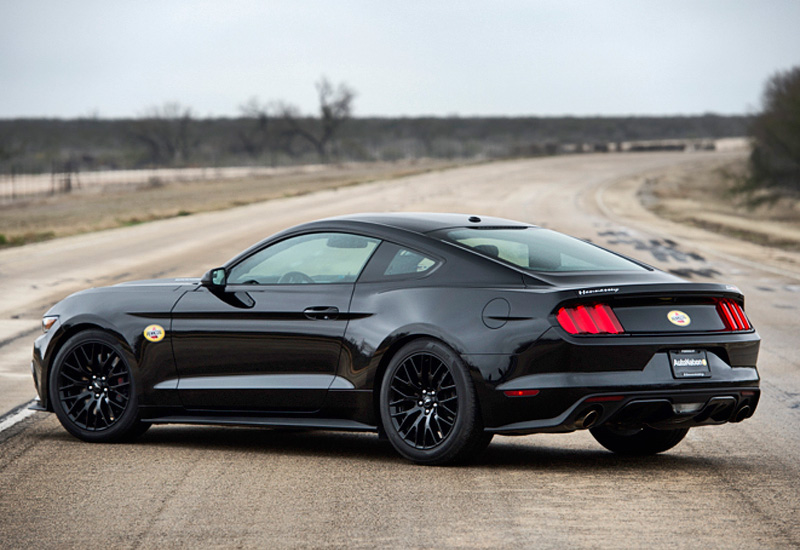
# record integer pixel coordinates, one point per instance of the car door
(270, 339)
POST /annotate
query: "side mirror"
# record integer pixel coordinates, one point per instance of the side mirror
(216, 278)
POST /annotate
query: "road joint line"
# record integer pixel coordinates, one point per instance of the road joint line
(19, 336)
(16, 415)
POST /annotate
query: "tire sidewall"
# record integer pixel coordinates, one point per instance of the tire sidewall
(465, 425)
(125, 423)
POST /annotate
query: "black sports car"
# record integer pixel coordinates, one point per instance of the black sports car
(435, 330)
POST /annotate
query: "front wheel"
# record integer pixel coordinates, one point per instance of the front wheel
(639, 441)
(428, 405)
(92, 389)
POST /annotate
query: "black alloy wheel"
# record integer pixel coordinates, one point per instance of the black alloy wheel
(428, 406)
(423, 401)
(92, 389)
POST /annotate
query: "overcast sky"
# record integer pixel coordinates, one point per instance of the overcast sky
(516, 57)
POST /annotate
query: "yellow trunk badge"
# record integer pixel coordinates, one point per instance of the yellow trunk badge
(679, 318)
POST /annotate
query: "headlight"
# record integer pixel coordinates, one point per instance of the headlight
(48, 322)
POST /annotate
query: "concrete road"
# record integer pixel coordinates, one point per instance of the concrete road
(733, 486)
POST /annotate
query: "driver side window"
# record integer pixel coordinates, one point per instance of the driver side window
(316, 258)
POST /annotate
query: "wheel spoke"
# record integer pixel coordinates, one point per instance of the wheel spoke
(403, 399)
(117, 363)
(72, 384)
(80, 399)
(111, 403)
(447, 409)
(86, 351)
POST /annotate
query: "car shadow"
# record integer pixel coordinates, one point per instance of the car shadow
(503, 453)
(301, 442)
(513, 456)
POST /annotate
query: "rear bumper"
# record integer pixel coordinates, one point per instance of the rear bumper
(655, 409)
(567, 401)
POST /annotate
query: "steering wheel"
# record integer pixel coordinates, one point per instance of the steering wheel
(295, 277)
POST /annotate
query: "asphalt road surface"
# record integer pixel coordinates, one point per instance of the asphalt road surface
(732, 486)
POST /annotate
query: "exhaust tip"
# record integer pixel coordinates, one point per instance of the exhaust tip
(588, 420)
(742, 413)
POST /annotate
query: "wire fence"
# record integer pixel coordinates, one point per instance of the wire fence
(17, 185)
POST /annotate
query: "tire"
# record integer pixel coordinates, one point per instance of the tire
(644, 441)
(428, 405)
(93, 391)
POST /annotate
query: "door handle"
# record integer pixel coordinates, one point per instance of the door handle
(321, 313)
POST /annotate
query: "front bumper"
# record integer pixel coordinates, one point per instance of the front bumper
(41, 349)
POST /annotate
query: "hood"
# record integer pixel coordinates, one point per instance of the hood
(175, 282)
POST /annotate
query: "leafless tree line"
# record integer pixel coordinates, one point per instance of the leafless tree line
(276, 126)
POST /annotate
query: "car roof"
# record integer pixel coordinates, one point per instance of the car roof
(425, 222)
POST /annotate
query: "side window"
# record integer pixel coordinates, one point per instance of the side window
(316, 258)
(406, 262)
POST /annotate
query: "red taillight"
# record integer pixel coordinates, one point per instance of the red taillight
(732, 315)
(608, 321)
(594, 319)
(521, 393)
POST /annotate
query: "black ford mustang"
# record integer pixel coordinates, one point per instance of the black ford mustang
(435, 330)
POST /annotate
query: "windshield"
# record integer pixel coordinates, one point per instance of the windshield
(538, 249)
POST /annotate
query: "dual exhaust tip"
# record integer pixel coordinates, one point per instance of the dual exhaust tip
(744, 412)
(587, 419)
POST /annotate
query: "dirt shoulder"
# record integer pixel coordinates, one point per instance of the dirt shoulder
(692, 202)
(701, 194)
(93, 209)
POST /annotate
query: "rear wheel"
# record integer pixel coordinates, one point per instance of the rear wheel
(428, 405)
(92, 389)
(640, 441)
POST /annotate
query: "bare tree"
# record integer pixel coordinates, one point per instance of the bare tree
(165, 132)
(335, 108)
(255, 139)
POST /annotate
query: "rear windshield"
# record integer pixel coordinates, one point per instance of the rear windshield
(538, 249)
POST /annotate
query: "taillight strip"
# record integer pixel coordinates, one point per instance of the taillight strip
(732, 315)
(741, 316)
(585, 321)
(609, 321)
(589, 319)
(566, 321)
(730, 320)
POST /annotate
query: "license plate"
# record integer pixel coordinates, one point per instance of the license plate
(689, 363)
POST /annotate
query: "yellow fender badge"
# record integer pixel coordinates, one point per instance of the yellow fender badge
(677, 317)
(155, 333)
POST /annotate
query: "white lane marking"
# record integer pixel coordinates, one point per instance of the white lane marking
(17, 417)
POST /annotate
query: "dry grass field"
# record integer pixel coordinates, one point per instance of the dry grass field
(100, 208)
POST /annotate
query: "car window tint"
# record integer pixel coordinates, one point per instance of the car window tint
(406, 262)
(306, 259)
(538, 249)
